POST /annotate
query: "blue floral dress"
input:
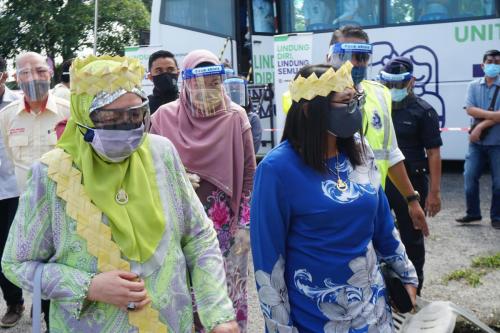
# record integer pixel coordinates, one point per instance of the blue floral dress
(316, 248)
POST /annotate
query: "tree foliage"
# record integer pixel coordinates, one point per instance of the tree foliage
(64, 27)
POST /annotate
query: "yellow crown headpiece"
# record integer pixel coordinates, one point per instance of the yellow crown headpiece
(91, 75)
(331, 80)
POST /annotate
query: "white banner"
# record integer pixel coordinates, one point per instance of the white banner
(142, 53)
(291, 53)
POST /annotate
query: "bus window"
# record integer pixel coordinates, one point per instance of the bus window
(263, 16)
(357, 12)
(313, 15)
(201, 15)
(409, 11)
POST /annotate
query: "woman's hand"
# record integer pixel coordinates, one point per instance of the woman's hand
(194, 179)
(241, 241)
(229, 327)
(412, 291)
(118, 288)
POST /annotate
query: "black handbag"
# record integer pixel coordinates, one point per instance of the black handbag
(398, 296)
(479, 120)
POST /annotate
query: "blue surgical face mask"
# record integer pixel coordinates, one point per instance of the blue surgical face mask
(491, 70)
(398, 95)
(358, 74)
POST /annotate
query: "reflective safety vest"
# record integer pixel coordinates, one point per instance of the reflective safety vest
(286, 101)
(377, 124)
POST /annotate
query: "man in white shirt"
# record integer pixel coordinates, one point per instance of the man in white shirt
(27, 127)
(9, 198)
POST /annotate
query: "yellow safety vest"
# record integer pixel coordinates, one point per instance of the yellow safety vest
(377, 124)
(286, 101)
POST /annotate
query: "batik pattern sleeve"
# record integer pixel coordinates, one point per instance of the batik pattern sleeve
(270, 215)
(248, 174)
(38, 236)
(203, 256)
(388, 245)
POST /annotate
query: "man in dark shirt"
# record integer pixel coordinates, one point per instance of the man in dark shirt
(163, 72)
(417, 130)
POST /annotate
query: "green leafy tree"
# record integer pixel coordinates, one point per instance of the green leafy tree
(64, 27)
(148, 4)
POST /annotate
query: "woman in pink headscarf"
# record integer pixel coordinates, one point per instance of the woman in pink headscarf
(213, 137)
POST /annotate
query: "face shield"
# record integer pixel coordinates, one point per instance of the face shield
(398, 84)
(398, 81)
(34, 81)
(204, 87)
(237, 90)
(359, 54)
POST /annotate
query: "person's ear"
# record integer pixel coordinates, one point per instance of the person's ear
(411, 84)
(15, 77)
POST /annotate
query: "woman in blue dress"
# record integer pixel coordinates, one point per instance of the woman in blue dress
(320, 220)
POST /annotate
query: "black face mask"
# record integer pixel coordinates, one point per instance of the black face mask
(166, 83)
(344, 121)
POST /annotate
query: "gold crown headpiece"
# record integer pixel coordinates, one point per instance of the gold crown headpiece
(331, 80)
(91, 75)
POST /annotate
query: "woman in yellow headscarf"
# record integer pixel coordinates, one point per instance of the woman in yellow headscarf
(112, 222)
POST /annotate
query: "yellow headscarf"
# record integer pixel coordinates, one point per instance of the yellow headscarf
(137, 226)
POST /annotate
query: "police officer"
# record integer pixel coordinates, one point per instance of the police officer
(417, 130)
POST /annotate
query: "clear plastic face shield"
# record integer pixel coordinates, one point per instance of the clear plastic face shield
(398, 81)
(34, 81)
(204, 87)
(237, 90)
(398, 84)
(359, 54)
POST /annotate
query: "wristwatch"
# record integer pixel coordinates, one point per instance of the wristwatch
(413, 197)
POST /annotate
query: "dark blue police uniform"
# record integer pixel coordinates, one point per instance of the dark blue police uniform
(417, 128)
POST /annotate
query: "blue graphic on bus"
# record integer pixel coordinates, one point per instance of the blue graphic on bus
(425, 71)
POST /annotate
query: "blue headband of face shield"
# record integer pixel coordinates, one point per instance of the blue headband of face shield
(394, 78)
(359, 51)
(192, 73)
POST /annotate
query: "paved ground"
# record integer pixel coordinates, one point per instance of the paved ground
(450, 247)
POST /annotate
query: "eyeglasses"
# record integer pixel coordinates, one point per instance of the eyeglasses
(357, 101)
(120, 119)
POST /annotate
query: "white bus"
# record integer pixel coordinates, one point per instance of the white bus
(444, 38)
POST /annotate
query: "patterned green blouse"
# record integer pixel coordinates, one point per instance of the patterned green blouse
(43, 234)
